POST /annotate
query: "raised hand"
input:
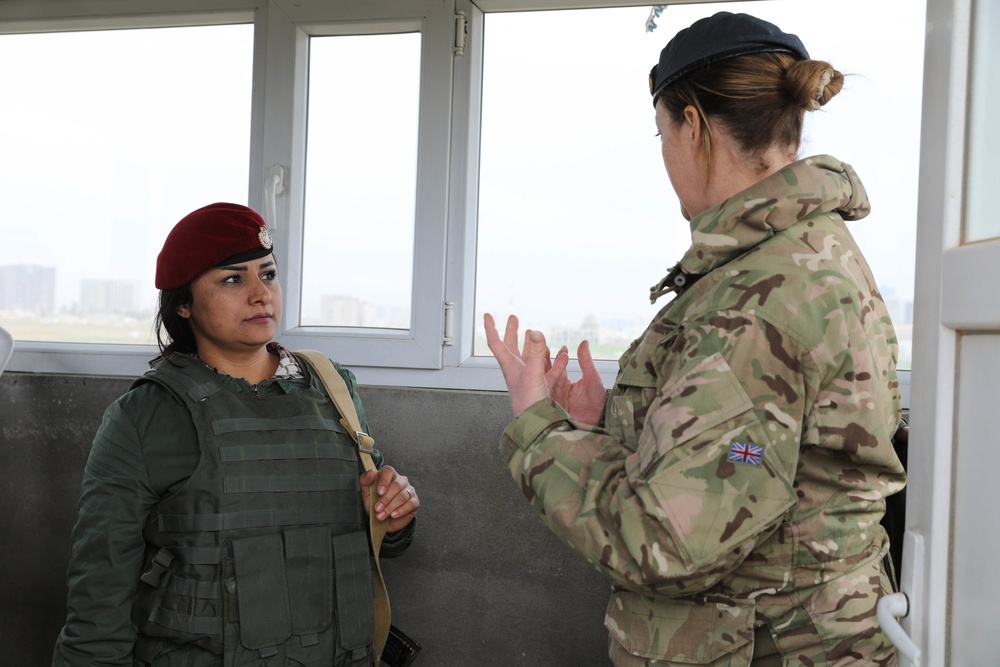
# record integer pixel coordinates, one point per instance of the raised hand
(525, 374)
(583, 399)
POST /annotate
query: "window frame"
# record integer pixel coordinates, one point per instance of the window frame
(278, 128)
(420, 346)
(24, 17)
(431, 354)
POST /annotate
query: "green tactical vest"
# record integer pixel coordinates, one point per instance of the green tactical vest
(262, 555)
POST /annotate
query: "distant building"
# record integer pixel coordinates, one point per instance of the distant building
(900, 310)
(346, 311)
(28, 287)
(589, 330)
(120, 297)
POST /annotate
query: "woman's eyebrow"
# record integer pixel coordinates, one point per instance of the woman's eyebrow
(244, 268)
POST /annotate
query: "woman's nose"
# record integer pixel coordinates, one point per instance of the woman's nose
(259, 292)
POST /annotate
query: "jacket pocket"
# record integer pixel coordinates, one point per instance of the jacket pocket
(689, 631)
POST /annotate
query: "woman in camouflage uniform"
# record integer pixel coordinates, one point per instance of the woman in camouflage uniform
(732, 481)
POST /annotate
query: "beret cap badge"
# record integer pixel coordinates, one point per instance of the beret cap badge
(265, 238)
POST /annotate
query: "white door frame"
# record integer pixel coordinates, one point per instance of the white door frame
(944, 309)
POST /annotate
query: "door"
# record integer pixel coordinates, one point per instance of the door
(951, 521)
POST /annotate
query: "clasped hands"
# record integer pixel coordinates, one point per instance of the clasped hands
(532, 375)
(397, 499)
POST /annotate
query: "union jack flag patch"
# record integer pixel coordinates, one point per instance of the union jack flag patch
(744, 452)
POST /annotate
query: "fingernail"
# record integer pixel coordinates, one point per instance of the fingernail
(381, 490)
(536, 337)
(379, 507)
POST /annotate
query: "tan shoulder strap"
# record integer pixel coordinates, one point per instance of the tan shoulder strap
(341, 397)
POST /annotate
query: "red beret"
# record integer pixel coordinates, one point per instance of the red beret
(211, 236)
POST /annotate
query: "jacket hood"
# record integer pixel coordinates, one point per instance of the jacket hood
(815, 184)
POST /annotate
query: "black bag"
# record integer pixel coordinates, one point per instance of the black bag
(400, 650)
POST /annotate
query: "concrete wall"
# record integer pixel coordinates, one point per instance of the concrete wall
(485, 583)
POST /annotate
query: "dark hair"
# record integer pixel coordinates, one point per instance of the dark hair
(759, 99)
(173, 332)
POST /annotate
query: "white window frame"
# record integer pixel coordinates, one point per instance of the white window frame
(278, 131)
(46, 16)
(430, 354)
(284, 135)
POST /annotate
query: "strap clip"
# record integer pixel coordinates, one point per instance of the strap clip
(157, 567)
(366, 443)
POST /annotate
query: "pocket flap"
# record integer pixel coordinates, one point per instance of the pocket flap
(262, 591)
(355, 593)
(309, 568)
(689, 631)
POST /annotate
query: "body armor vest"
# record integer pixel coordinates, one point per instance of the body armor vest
(263, 554)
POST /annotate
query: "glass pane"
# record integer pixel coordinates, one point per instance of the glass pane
(109, 138)
(982, 221)
(361, 179)
(576, 216)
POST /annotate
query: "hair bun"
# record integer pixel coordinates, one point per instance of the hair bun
(813, 83)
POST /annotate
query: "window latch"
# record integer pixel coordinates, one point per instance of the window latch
(274, 185)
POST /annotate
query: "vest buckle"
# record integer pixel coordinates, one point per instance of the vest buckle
(157, 567)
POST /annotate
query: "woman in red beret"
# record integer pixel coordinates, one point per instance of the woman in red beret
(222, 519)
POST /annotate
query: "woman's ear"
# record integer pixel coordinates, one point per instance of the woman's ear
(699, 138)
(693, 128)
(184, 311)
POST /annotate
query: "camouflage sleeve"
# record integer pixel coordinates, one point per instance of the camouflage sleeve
(712, 470)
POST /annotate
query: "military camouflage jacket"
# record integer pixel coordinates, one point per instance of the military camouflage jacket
(739, 475)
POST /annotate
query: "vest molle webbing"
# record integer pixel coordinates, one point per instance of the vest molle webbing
(263, 555)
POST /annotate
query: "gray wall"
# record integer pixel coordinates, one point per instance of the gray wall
(485, 583)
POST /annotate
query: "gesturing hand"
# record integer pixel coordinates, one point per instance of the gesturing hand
(583, 399)
(523, 373)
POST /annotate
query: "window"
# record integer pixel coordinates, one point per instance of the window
(576, 216)
(981, 220)
(362, 241)
(361, 166)
(109, 137)
(437, 160)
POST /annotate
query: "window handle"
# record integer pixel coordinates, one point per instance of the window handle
(888, 609)
(274, 185)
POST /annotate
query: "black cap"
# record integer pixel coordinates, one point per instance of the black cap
(709, 40)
